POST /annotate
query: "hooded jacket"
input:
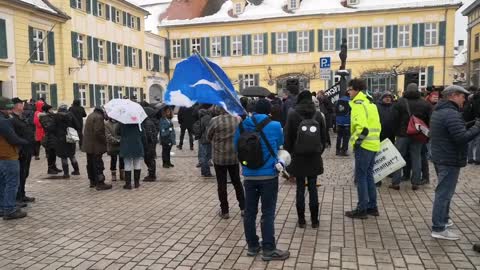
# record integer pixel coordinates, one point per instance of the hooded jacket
(64, 120)
(185, 117)
(150, 131)
(94, 141)
(449, 136)
(9, 140)
(39, 132)
(418, 107)
(112, 135)
(472, 108)
(273, 133)
(342, 111)
(385, 112)
(78, 112)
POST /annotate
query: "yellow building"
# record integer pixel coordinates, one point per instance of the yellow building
(30, 50)
(391, 42)
(473, 43)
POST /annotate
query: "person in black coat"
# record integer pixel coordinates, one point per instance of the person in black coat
(49, 141)
(78, 113)
(472, 111)
(186, 120)
(305, 166)
(132, 152)
(150, 131)
(385, 110)
(65, 150)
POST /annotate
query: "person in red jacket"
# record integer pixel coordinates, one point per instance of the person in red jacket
(39, 132)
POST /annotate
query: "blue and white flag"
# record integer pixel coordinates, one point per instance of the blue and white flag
(193, 82)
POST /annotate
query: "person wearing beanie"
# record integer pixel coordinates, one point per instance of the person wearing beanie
(306, 139)
(95, 145)
(449, 139)
(261, 184)
(78, 113)
(66, 150)
(292, 90)
(47, 120)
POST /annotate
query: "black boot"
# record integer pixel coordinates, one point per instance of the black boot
(136, 178)
(128, 180)
(301, 217)
(76, 170)
(66, 174)
(101, 183)
(314, 215)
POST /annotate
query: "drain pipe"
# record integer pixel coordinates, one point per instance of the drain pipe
(445, 48)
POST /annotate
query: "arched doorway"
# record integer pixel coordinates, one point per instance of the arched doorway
(155, 93)
(304, 82)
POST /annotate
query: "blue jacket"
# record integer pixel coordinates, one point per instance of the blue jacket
(131, 141)
(273, 132)
(167, 132)
(342, 110)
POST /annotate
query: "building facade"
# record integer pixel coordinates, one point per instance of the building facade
(473, 43)
(89, 50)
(389, 44)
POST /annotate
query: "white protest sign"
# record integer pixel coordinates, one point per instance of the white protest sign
(387, 161)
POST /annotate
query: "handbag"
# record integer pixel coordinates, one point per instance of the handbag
(416, 128)
(72, 135)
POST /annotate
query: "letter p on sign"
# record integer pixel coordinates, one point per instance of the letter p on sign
(325, 62)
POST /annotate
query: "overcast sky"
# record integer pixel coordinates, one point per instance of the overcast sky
(461, 22)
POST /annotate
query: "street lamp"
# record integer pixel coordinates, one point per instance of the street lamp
(81, 62)
(270, 77)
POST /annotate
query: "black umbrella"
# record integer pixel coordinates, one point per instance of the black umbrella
(255, 91)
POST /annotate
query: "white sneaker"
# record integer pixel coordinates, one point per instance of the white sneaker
(449, 224)
(446, 235)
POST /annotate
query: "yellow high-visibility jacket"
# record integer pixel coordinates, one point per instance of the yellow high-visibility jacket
(364, 114)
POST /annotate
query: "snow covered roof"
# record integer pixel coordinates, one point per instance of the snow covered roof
(460, 57)
(153, 20)
(275, 9)
(144, 3)
(135, 4)
(43, 6)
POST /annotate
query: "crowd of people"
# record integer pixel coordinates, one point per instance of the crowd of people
(250, 145)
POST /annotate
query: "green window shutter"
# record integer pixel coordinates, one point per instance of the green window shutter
(97, 95)
(273, 41)
(76, 92)
(95, 49)
(89, 48)
(53, 95)
(139, 25)
(249, 44)
(320, 40)
(3, 39)
(130, 62)
(363, 40)
(183, 50)
(338, 39)
(31, 43)
(207, 46)
(74, 45)
(311, 39)
(442, 33)
(240, 82)
(421, 34)
(265, 43)
(156, 62)
(89, 5)
(34, 91)
(369, 37)
(107, 12)
(109, 52)
(292, 42)
(51, 48)
(415, 35)
(125, 56)
(114, 53)
(110, 93)
(188, 50)
(141, 94)
(388, 36)
(257, 79)
(114, 11)
(91, 94)
(95, 7)
(124, 18)
(229, 47)
(129, 17)
(430, 74)
(244, 45)
(395, 36)
(140, 65)
(203, 49)
(72, 4)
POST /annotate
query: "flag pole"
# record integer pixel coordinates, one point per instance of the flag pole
(204, 62)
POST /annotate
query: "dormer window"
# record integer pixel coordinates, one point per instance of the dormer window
(292, 4)
(353, 2)
(238, 8)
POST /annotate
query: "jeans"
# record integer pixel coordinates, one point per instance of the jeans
(474, 150)
(312, 192)
(425, 165)
(74, 162)
(25, 159)
(182, 135)
(166, 148)
(266, 191)
(151, 163)
(408, 147)
(234, 171)
(367, 192)
(205, 153)
(113, 162)
(447, 182)
(343, 137)
(9, 178)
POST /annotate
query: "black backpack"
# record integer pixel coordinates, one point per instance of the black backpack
(309, 138)
(250, 152)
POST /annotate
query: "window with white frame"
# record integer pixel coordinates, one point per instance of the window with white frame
(133, 22)
(378, 36)
(258, 44)
(238, 8)
(176, 48)
(404, 35)
(134, 57)
(422, 78)
(38, 36)
(79, 4)
(431, 34)
(118, 16)
(119, 54)
(102, 95)
(149, 61)
(42, 92)
(215, 46)
(329, 40)
(248, 80)
(303, 41)
(282, 42)
(101, 50)
(196, 45)
(353, 38)
(80, 46)
(293, 4)
(100, 9)
(82, 92)
(236, 45)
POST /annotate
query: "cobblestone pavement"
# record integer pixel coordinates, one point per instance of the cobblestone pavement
(173, 224)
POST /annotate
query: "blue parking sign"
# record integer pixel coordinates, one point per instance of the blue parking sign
(325, 62)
